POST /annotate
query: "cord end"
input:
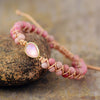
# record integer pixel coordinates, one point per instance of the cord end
(18, 12)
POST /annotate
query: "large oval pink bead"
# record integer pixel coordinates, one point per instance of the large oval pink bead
(31, 50)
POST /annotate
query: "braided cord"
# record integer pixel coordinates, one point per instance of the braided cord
(74, 75)
(57, 46)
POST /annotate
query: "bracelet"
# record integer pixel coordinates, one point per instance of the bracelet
(76, 71)
(78, 68)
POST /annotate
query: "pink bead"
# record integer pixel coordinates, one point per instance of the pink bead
(66, 68)
(51, 38)
(59, 73)
(17, 27)
(80, 67)
(38, 31)
(59, 64)
(24, 24)
(21, 37)
(19, 23)
(66, 75)
(51, 61)
(33, 28)
(52, 69)
(51, 46)
(17, 41)
(27, 27)
(14, 36)
(76, 58)
(83, 68)
(74, 63)
(44, 65)
(77, 71)
(72, 70)
(44, 34)
(28, 24)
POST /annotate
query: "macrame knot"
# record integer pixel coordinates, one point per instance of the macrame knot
(76, 71)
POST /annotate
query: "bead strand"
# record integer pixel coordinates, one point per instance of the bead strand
(73, 72)
(25, 27)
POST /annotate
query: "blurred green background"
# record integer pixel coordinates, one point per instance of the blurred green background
(76, 25)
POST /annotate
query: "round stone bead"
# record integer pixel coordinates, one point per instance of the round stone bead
(59, 73)
(44, 65)
(33, 28)
(66, 68)
(17, 41)
(66, 75)
(44, 34)
(72, 72)
(59, 64)
(51, 45)
(38, 31)
(51, 61)
(50, 39)
(14, 36)
(21, 37)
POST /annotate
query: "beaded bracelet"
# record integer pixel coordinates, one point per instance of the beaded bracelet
(76, 71)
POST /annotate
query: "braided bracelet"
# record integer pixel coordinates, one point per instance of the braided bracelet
(31, 49)
(76, 71)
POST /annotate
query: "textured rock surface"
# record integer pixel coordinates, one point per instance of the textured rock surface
(15, 66)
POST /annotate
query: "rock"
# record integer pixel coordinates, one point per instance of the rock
(16, 68)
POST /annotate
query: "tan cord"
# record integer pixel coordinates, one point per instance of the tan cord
(93, 67)
(29, 17)
(57, 46)
(23, 42)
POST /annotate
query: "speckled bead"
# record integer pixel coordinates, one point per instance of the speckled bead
(44, 65)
